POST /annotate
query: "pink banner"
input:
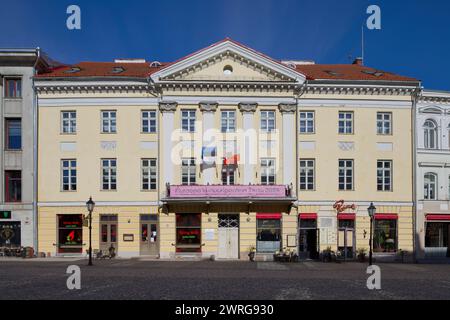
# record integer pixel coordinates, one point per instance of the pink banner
(220, 191)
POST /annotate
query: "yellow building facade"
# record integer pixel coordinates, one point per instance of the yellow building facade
(224, 151)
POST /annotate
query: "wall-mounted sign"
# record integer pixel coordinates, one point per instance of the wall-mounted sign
(233, 191)
(5, 214)
(210, 234)
(340, 206)
(128, 237)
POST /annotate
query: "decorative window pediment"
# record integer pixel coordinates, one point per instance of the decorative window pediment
(432, 110)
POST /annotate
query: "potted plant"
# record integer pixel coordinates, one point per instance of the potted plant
(252, 253)
(362, 254)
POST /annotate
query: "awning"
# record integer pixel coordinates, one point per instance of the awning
(308, 216)
(439, 217)
(268, 216)
(346, 216)
(386, 216)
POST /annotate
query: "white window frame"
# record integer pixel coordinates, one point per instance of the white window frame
(188, 170)
(384, 125)
(345, 123)
(345, 175)
(149, 121)
(70, 122)
(111, 119)
(149, 172)
(430, 135)
(307, 171)
(72, 166)
(383, 173)
(430, 185)
(268, 171)
(229, 173)
(188, 115)
(228, 121)
(307, 123)
(111, 172)
(266, 117)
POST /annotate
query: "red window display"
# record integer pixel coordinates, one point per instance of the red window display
(188, 232)
(70, 233)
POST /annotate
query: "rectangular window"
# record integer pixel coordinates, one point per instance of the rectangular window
(307, 174)
(384, 175)
(268, 235)
(267, 171)
(228, 121)
(148, 174)
(385, 236)
(228, 175)
(188, 171)
(189, 229)
(148, 121)
(267, 121)
(109, 121)
(109, 174)
(437, 234)
(68, 121)
(384, 123)
(345, 122)
(188, 120)
(13, 88)
(70, 233)
(69, 175)
(346, 175)
(307, 122)
(13, 134)
(13, 186)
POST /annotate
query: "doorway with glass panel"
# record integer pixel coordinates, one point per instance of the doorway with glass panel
(149, 237)
(108, 232)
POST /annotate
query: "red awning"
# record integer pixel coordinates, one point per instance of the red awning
(386, 216)
(268, 216)
(308, 216)
(346, 216)
(440, 217)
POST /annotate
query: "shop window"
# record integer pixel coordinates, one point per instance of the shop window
(268, 235)
(13, 134)
(437, 234)
(346, 223)
(188, 232)
(70, 233)
(10, 234)
(385, 235)
(13, 186)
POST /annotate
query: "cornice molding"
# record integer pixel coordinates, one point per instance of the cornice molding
(345, 89)
(206, 106)
(248, 107)
(287, 107)
(168, 106)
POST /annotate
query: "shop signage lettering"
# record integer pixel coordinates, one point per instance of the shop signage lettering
(219, 191)
(5, 214)
(339, 206)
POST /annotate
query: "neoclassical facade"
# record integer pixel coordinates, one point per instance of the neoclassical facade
(433, 175)
(225, 150)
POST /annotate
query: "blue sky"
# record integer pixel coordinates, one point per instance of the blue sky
(414, 39)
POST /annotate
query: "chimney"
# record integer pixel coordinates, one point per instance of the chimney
(358, 61)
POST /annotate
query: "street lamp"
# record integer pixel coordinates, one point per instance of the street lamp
(90, 207)
(371, 210)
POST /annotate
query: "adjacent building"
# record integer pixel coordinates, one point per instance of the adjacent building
(18, 146)
(433, 175)
(222, 151)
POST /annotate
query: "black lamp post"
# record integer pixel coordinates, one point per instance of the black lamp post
(371, 210)
(90, 207)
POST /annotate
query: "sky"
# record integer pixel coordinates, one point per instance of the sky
(414, 39)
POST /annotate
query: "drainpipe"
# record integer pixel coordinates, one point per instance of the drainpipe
(415, 98)
(35, 154)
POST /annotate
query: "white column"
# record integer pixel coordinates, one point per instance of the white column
(208, 110)
(168, 121)
(248, 112)
(288, 138)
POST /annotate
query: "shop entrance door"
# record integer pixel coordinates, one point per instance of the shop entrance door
(108, 232)
(308, 244)
(149, 238)
(346, 242)
(228, 236)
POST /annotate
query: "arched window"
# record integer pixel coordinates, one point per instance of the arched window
(430, 186)
(430, 134)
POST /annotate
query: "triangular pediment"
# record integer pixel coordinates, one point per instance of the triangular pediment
(228, 61)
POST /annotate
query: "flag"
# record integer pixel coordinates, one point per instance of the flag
(209, 155)
(231, 160)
